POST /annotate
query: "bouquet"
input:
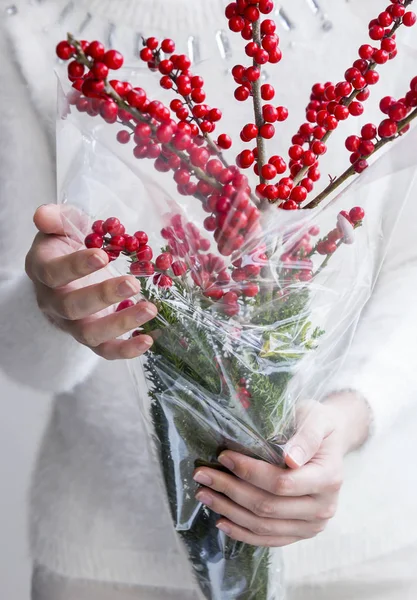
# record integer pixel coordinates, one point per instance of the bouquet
(257, 279)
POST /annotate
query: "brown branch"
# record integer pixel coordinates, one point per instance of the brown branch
(257, 104)
(351, 171)
(348, 101)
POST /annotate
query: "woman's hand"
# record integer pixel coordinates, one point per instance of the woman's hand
(77, 304)
(265, 505)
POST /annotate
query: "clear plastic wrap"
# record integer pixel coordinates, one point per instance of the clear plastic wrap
(230, 374)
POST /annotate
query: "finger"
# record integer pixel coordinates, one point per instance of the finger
(95, 332)
(313, 479)
(258, 525)
(48, 219)
(240, 534)
(313, 430)
(52, 219)
(60, 271)
(81, 303)
(257, 501)
(124, 349)
(259, 473)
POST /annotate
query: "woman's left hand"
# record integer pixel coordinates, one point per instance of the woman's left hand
(265, 505)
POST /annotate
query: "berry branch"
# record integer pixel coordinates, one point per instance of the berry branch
(139, 117)
(257, 105)
(353, 169)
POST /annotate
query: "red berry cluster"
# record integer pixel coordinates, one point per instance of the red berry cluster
(396, 111)
(342, 233)
(176, 75)
(242, 14)
(331, 103)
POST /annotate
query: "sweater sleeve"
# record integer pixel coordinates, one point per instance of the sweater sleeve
(33, 351)
(381, 362)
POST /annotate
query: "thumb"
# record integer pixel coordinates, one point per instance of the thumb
(48, 219)
(306, 443)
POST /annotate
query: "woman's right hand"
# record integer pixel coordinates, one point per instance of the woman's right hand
(77, 304)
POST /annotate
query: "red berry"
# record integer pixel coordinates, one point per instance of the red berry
(224, 141)
(64, 50)
(249, 132)
(123, 137)
(75, 70)
(270, 113)
(164, 261)
(366, 51)
(298, 194)
(381, 57)
(242, 93)
(131, 243)
(124, 305)
(269, 172)
(112, 226)
(376, 32)
(290, 205)
(168, 46)
(319, 148)
(295, 152)
(96, 50)
(146, 55)
(409, 19)
(357, 214)
(356, 109)
(368, 132)
(236, 24)
(100, 70)
(361, 165)
(144, 253)
(279, 164)
(267, 131)
(142, 237)
(113, 59)
(267, 91)
(94, 240)
(397, 111)
(387, 128)
(179, 268)
(341, 112)
(372, 77)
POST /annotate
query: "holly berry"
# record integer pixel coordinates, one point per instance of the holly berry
(94, 240)
(356, 215)
(113, 59)
(387, 128)
(64, 50)
(164, 261)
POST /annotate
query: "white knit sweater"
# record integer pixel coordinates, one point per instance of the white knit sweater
(96, 508)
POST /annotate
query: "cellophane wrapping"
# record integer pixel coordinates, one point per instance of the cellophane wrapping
(217, 378)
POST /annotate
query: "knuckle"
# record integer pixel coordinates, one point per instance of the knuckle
(317, 528)
(264, 508)
(335, 483)
(282, 486)
(127, 352)
(261, 528)
(45, 275)
(87, 338)
(68, 308)
(326, 513)
(106, 293)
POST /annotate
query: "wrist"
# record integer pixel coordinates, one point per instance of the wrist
(352, 418)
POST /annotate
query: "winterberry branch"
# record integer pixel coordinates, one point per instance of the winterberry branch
(111, 92)
(355, 93)
(352, 170)
(257, 104)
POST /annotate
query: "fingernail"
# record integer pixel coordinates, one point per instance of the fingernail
(204, 498)
(128, 288)
(202, 478)
(225, 528)
(297, 454)
(96, 261)
(227, 462)
(144, 345)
